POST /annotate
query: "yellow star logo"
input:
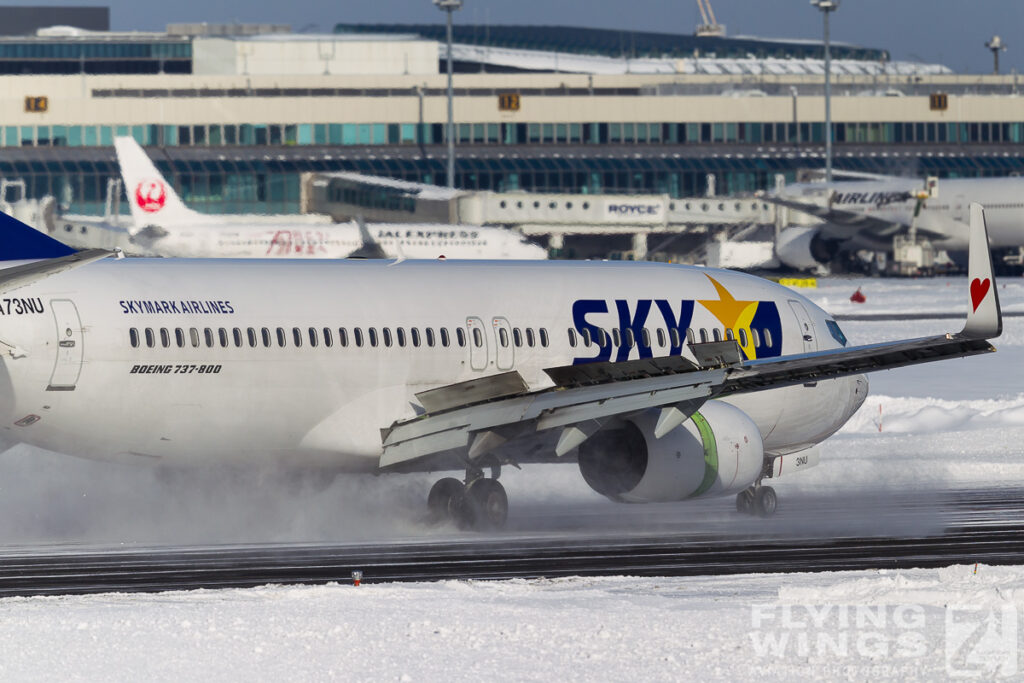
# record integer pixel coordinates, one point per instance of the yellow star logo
(733, 314)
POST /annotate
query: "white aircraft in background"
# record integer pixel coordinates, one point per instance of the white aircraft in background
(866, 214)
(663, 382)
(163, 226)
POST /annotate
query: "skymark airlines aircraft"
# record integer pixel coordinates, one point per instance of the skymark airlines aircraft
(164, 226)
(663, 382)
(867, 214)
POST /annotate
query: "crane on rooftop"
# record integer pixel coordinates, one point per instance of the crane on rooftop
(710, 27)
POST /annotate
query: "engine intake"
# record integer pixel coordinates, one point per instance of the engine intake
(717, 451)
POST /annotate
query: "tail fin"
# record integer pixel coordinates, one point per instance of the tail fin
(984, 319)
(22, 242)
(152, 199)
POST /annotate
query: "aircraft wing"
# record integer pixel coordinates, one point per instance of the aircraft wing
(850, 219)
(19, 276)
(583, 396)
(370, 248)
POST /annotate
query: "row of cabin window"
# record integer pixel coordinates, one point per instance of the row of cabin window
(627, 338)
(224, 337)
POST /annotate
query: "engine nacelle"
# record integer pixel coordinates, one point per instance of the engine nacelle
(804, 248)
(717, 451)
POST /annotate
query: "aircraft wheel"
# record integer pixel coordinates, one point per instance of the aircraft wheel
(446, 499)
(487, 504)
(745, 501)
(765, 501)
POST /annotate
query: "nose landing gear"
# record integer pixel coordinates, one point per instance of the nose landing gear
(757, 500)
(479, 503)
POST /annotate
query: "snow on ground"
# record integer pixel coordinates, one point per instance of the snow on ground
(957, 424)
(907, 625)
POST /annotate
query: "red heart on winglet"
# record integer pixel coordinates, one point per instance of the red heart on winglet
(979, 288)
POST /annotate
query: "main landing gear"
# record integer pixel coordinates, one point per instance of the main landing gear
(757, 500)
(478, 503)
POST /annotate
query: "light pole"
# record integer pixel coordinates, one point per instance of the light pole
(450, 6)
(827, 6)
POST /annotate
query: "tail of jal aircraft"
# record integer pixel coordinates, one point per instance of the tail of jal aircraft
(152, 199)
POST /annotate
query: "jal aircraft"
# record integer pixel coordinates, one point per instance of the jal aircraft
(663, 382)
(866, 214)
(163, 226)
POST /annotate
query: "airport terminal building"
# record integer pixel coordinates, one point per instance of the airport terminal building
(236, 114)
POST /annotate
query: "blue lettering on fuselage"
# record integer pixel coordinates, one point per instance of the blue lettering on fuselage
(766, 323)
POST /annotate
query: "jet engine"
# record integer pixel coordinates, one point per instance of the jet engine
(805, 248)
(717, 451)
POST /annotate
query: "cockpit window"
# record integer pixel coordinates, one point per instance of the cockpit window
(837, 333)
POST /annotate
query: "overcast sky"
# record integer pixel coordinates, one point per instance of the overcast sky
(952, 32)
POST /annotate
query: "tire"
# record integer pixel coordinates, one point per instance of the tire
(745, 502)
(488, 504)
(446, 498)
(765, 501)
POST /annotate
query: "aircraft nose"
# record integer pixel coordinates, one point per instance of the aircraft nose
(858, 395)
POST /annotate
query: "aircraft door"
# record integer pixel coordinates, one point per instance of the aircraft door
(807, 332)
(69, 346)
(477, 340)
(960, 208)
(504, 350)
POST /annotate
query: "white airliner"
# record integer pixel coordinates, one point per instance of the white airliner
(867, 214)
(663, 382)
(163, 226)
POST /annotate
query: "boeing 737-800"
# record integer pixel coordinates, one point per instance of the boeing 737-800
(663, 382)
(163, 226)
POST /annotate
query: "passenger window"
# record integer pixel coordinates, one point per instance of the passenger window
(661, 337)
(223, 334)
(150, 337)
(647, 337)
(400, 334)
(628, 338)
(179, 337)
(165, 337)
(517, 337)
(673, 334)
(358, 335)
(743, 337)
(328, 337)
(544, 337)
(478, 337)
(529, 337)
(282, 339)
(371, 333)
(728, 334)
(237, 334)
(689, 335)
(616, 337)
(602, 337)
(461, 335)
(265, 333)
(297, 337)
(342, 337)
(586, 336)
(717, 334)
(415, 335)
(756, 336)
(503, 337)
(312, 338)
(251, 334)
(387, 336)
(133, 337)
(445, 341)
(193, 334)
(703, 336)
(430, 336)
(768, 337)
(572, 338)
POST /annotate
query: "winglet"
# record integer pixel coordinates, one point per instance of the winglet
(984, 319)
